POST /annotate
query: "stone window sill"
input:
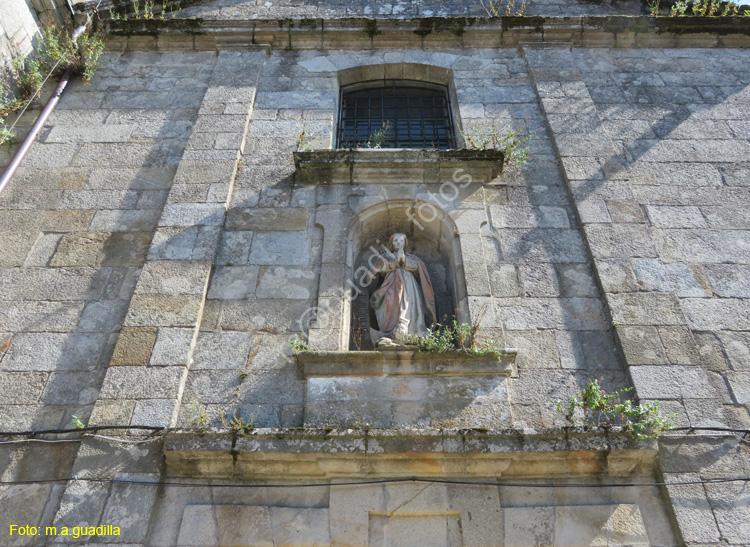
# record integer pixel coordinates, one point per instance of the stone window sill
(401, 362)
(398, 166)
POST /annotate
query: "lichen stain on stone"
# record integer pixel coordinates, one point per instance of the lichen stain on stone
(721, 26)
(154, 27)
(311, 23)
(537, 23)
(456, 25)
(371, 28)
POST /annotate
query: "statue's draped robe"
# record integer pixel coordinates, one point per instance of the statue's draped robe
(401, 307)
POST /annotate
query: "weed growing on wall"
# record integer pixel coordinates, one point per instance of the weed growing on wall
(510, 140)
(297, 344)
(456, 337)
(508, 8)
(602, 409)
(56, 54)
(701, 8)
(198, 414)
(147, 13)
(379, 137)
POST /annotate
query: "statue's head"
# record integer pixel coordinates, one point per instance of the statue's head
(398, 242)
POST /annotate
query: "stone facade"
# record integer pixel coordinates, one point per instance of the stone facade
(162, 243)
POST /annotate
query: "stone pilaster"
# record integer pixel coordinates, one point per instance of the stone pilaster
(147, 375)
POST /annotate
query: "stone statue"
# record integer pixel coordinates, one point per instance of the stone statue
(405, 302)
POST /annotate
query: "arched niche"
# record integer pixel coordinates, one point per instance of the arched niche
(432, 236)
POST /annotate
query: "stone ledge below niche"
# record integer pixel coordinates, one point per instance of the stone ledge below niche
(405, 362)
(398, 166)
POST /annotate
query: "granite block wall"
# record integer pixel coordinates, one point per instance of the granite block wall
(159, 250)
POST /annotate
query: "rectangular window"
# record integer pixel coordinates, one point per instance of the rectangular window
(395, 114)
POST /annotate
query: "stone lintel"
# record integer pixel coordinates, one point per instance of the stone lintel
(398, 166)
(396, 362)
(324, 454)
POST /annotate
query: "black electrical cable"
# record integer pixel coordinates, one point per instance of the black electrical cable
(376, 481)
(727, 429)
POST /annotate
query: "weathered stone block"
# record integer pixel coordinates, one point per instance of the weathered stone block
(244, 525)
(717, 313)
(112, 412)
(102, 249)
(619, 240)
(504, 280)
(91, 133)
(75, 388)
(539, 279)
(172, 347)
(155, 412)
(529, 526)
(680, 346)
(122, 220)
(40, 316)
(21, 387)
(645, 309)
(729, 280)
(222, 350)
(440, 530)
(103, 316)
(142, 383)
(199, 526)
(641, 345)
(163, 310)
(600, 525)
(267, 219)
(234, 248)
(173, 278)
(193, 214)
(234, 283)
(286, 316)
(576, 280)
(672, 382)
(294, 526)
(692, 509)
(130, 506)
(284, 282)
(739, 383)
(47, 351)
(280, 248)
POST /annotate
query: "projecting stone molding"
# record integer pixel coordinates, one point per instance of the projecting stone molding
(398, 166)
(400, 361)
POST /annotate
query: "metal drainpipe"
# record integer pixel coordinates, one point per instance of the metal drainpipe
(41, 120)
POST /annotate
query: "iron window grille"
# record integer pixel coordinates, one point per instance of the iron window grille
(395, 114)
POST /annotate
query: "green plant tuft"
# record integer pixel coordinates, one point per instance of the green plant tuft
(379, 137)
(602, 409)
(298, 344)
(508, 8)
(56, 54)
(456, 338)
(510, 140)
(704, 8)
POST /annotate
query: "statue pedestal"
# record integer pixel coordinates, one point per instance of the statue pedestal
(399, 386)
